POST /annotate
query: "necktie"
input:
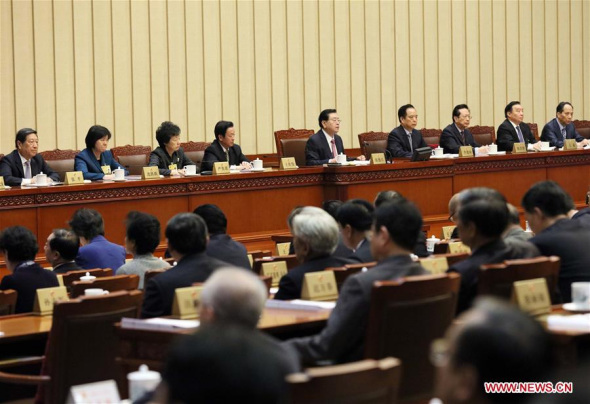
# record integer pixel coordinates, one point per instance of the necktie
(227, 156)
(27, 169)
(334, 151)
(519, 133)
(463, 138)
(563, 133)
(410, 141)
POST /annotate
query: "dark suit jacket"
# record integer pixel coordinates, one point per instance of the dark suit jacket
(318, 151)
(507, 136)
(552, 133)
(450, 139)
(363, 252)
(569, 240)
(398, 144)
(343, 338)
(26, 279)
(491, 253)
(101, 253)
(67, 267)
(583, 215)
(159, 291)
(224, 248)
(92, 168)
(11, 168)
(160, 158)
(290, 285)
(215, 153)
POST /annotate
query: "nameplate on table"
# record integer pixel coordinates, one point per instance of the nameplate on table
(275, 269)
(186, 302)
(532, 296)
(458, 247)
(2, 186)
(172, 167)
(74, 177)
(518, 148)
(447, 232)
(570, 144)
(283, 249)
(98, 392)
(436, 265)
(150, 173)
(378, 158)
(288, 163)
(60, 279)
(319, 286)
(465, 151)
(221, 167)
(45, 299)
(106, 170)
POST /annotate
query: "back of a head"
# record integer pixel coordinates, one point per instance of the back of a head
(513, 215)
(235, 296)
(331, 206)
(490, 217)
(224, 365)
(357, 213)
(87, 223)
(19, 243)
(549, 197)
(144, 230)
(66, 243)
(402, 220)
(472, 194)
(318, 229)
(187, 233)
(386, 196)
(213, 217)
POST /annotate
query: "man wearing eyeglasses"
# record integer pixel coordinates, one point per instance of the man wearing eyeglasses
(325, 145)
(403, 140)
(456, 134)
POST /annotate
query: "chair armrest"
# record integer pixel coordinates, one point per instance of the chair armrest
(20, 361)
(24, 379)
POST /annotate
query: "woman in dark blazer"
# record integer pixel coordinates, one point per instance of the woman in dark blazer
(91, 160)
(169, 153)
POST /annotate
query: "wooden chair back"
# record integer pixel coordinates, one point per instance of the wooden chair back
(535, 129)
(282, 238)
(431, 136)
(150, 274)
(483, 134)
(583, 128)
(497, 279)
(405, 316)
(195, 151)
(110, 283)
(7, 301)
(133, 158)
(71, 276)
(342, 273)
(291, 261)
(366, 381)
(291, 143)
(452, 259)
(373, 142)
(60, 161)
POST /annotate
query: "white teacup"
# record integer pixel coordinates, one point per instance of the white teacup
(41, 179)
(581, 294)
(87, 277)
(439, 151)
(142, 381)
(95, 292)
(544, 145)
(119, 174)
(190, 169)
(431, 242)
(341, 158)
(493, 148)
(257, 164)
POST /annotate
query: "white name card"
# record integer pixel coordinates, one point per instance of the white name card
(465, 151)
(288, 163)
(45, 299)
(319, 286)
(74, 177)
(518, 148)
(94, 393)
(532, 296)
(458, 247)
(187, 302)
(436, 265)
(570, 144)
(283, 249)
(447, 231)
(150, 173)
(106, 170)
(378, 158)
(2, 186)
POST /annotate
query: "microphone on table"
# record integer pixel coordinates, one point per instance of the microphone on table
(388, 155)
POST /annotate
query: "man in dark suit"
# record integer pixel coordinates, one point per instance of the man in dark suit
(221, 245)
(315, 236)
(481, 220)
(19, 246)
(514, 130)
(546, 206)
(396, 226)
(22, 165)
(61, 249)
(354, 219)
(224, 148)
(557, 130)
(403, 140)
(456, 134)
(187, 240)
(323, 146)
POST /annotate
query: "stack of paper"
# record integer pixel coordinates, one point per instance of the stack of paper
(577, 322)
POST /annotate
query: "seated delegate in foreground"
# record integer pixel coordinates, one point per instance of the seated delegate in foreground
(169, 157)
(95, 157)
(224, 148)
(396, 226)
(22, 165)
(561, 128)
(19, 246)
(61, 250)
(143, 236)
(355, 218)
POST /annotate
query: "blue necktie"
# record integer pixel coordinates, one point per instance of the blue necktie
(563, 133)
(410, 140)
(519, 133)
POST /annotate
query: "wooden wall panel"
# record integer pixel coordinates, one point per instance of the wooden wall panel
(416, 47)
(343, 67)
(195, 77)
(512, 51)
(538, 55)
(311, 63)
(280, 87)
(177, 64)
(472, 48)
(525, 67)
(551, 55)
(295, 66)
(486, 71)
(326, 60)
(230, 104)
(499, 59)
(159, 64)
(357, 121)
(445, 65)
(577, 69)
(103, 65)
(459, 56)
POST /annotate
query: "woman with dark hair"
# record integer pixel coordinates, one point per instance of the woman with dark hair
(169, 156)
(96, 160)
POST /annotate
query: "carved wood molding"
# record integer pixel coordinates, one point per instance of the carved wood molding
(58, 154)
(495, 165)
(568, 159)
(261, 182)
(581, 124)
(290, 134)
(112, 193)
(130, 150)
(20, 200)
(390, 174)
(195, 146)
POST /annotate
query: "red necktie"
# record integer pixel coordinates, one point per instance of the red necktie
(334, 152)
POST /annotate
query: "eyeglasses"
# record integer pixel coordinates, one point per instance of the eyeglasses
(336, 120)
(439, 352)
(466, 116)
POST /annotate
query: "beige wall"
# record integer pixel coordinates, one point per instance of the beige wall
(269, 65)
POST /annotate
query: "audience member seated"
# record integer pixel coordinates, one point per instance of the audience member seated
(22, 165)
(403, 140)
(492, 342)
(561, 128)
(221, 245)
(141, 240)
(355, 218)
(583, 215)
(513, 231)
(396, 226)
(546, 206)
(96, 250)
(186, 234)
(315, 236)
(481, 220)
(169, 157)
(388, 196)
(514, 130)
(342, 250)
(224, 148)
(96, 158)
(61, 249)
(19, 246)
(456, 134)
(453, 210)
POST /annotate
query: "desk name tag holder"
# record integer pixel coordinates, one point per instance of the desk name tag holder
(458, 247)
(150, 173)
(288, 163)
(532, 296)
(447, 232)
(2, 185)
(518, 148)
(465, 151)
(436, 265)
(378, 158)
(45, 298)
(74, 177)
(319, 286)
(187, 302)
(220, 167)
(570, 144)
(283, 249)
(106, 170)
(276, 270)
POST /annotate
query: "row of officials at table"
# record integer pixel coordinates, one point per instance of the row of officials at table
(97, 163)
